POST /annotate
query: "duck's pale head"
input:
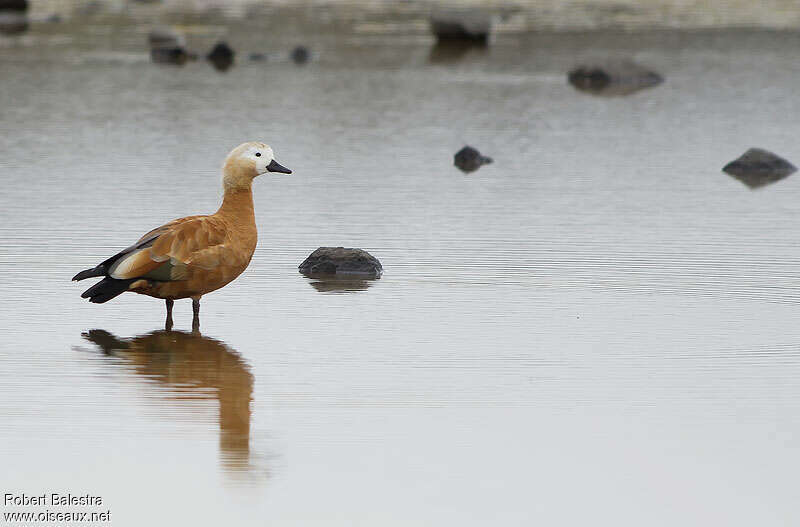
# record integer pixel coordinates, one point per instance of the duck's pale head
(248, 161)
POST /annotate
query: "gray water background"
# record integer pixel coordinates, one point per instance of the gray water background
(599, 328)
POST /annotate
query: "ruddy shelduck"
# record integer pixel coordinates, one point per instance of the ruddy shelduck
(192, 256)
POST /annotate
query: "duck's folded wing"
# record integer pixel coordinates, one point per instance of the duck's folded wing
(164, 254)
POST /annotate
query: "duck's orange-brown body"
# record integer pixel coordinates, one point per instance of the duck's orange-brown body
(199, 253)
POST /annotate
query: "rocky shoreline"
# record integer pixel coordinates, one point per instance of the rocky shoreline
(509, 16)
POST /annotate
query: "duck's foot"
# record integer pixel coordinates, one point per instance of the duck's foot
(168, 322)
(196, 315)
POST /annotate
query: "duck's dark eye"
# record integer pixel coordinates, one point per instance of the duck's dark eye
(258, 154)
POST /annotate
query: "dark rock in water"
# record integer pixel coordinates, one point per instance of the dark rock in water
(257, 57)
(14, 5)
(300, 55)
(469, 159)
(613, 79)
(175, 55)
(221, 56)
(168, 47)
(13, 22)
(13, 17)
(758, 168)
(328, 261)
(165, 38)
(589, 79)
(468, 26)
(221, 50)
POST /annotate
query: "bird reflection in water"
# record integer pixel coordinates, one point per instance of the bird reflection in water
(193, 367)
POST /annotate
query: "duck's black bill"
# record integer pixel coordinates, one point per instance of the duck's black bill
(277, 167)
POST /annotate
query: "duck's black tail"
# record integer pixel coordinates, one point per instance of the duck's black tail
(106, 289)
(107, 342)
(100, 270)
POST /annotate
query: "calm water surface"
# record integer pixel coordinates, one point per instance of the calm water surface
(599, 328)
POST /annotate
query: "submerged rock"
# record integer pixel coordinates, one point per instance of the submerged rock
(468, 159)
(175, 55)
(613, 79)
(757, 168)
(328, 261)
(468, 26)
(13, 22)
(221, 56)
(14, 5)
(162, 37)
(300, 55)
(168, 47)
(13, 17)
(450, 51)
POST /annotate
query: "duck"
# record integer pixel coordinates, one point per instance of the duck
(192, 256)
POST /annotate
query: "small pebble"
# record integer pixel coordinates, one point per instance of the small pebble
(300, 55)
(468, 159)
(221, 56)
